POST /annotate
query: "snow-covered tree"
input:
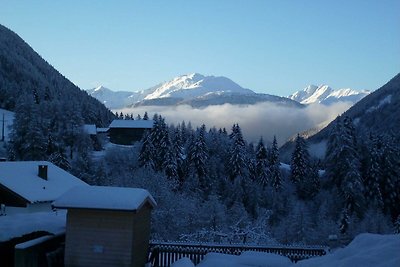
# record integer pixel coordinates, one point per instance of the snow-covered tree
(237, 154)
(170, 162)
(261, 163)
(373, 177)
(60, 159)
(390, 182)
(274, 166)
(147, 152)
(343, 165)
(198, 155)
(300, 162)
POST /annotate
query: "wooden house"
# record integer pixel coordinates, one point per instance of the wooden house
(106, 226)
(31, 186)
(126, 132)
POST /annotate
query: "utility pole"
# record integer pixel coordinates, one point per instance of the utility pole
(2, 129)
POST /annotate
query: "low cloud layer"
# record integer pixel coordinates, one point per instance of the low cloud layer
(263, 119)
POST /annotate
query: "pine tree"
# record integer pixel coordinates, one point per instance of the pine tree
(344, 221)
(147, 152)
(179, 154)
(300, 164)
(145, 116)
(314, 181)
(198, 156)
(397, 225)
(50, 147)
(237, 156)
(261, 163)
(274, 164)
(343, 165)
(159, 136)
(390, 182)
(170, 162)
(60, 159)
(374, 175)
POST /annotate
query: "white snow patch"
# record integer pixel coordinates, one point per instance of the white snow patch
(105, 197)
(383, 102)
(318, 150)
(17, 225)
(90, 129)
(33, 242)
(364, 251)
(246, 259)
(183, 262)
(134, 124)
(285, 166)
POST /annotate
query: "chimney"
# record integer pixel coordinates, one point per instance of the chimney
(43, 172)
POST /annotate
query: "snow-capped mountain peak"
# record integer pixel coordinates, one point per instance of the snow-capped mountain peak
(195, 84)
(192, 89)
(326, 95)
(100, 88)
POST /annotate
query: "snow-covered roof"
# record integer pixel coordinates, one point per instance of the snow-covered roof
(105, 198)
(134, 124)
(22, 178)
(90, 129)
(102, 130)
(16, 225)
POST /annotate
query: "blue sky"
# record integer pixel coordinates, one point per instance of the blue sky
(268, 46)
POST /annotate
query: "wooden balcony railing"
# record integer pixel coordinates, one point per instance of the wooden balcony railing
(163, 254)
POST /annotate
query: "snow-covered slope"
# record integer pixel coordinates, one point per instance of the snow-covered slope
(110, 98)
(194, 85)
(192, 89)
(326, 95)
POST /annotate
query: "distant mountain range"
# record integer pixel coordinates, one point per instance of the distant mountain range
(198, 90)
(193, 89)
(324, 94)
(377, 113)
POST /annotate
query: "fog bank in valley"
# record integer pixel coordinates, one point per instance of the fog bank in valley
(263, 119)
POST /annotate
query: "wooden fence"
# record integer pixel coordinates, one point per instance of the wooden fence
(163, 254)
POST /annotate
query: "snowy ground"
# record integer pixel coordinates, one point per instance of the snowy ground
(98, 155)
(17, 225)
(364, 251)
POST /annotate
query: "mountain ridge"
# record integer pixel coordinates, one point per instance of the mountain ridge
(324, 94)
(192, 89)
(376, 113)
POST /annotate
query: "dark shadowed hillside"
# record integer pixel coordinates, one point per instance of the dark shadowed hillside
(23, 72)
(49, 109)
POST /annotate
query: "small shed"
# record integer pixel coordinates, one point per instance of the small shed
(126, 132)
(106, 226)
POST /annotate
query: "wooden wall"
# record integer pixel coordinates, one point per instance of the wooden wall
(106, 238)
(126, 136)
